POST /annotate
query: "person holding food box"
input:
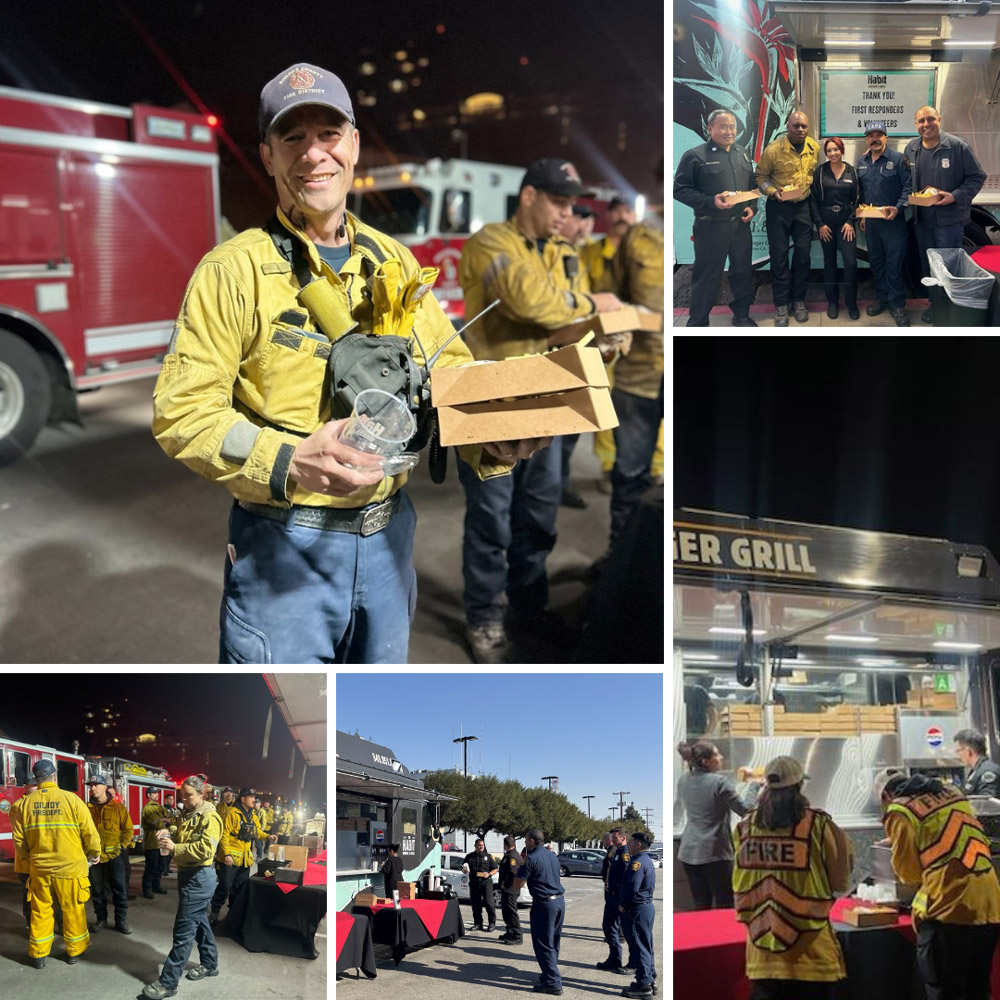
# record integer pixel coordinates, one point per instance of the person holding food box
(708, 177)
(943, 165)
(886, 183)
(784, 174)
(833, 197)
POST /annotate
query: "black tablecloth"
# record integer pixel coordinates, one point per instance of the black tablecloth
(357, 951)
(263, 918)
(403, 929)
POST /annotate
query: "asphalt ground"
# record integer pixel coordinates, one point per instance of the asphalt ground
(110, 552)
(479, 966)
(116, 966)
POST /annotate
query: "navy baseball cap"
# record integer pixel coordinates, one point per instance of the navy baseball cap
(556, 176)
(99, 779)
(247, 791)
(583, 212)
(302, 84)
(875, 127)
(43, 769)
(617, 201)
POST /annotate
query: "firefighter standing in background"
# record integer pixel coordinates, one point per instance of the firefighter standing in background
(612, 924)
(154, 818)
(481, 868)
(939, 844)
(984, 776)
(227, 802)
(107, 877)
(790, 860)
(235, 857)
(703, 175)
(510, 522)
(635, 904)
(285, 825)
(54, 831)
(508, 895)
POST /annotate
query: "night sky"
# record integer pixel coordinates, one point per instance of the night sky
(897, 434)
(49, 709)
(598, 66)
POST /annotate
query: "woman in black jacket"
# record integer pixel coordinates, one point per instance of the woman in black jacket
(832, 201)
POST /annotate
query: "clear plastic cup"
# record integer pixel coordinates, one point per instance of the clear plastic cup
(380, 424)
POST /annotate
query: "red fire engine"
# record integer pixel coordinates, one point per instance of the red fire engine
(130, 781)
(104, 213)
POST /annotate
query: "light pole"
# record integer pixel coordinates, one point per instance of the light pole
(550, 778)
(464, 740)
(588, 798)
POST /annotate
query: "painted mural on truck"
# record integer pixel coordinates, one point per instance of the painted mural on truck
(732, 54)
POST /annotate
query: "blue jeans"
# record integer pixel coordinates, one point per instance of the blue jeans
(108, 878)
(194, 890)
(546, 919)
(567, 443)
(635, 441)
(303, 595)
(638, 924)
(510, 528)
(936, 236)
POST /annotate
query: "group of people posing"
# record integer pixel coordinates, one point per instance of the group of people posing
(781, 866)
(68, 852)
(805, 196)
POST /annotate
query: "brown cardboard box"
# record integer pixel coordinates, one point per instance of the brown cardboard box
(790, 195)
(620, 321)
(737, 197)
(368, 899)
(870, 916)
(540, 395)
(923, 199)
(407, 890)
(872, 211)
(650, 321)
(295, 856)
(314, 842)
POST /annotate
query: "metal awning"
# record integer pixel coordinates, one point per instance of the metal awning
(382, 786)
(301, 699)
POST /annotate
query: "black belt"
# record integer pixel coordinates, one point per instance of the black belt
(718, 218)
(831, 208)
(353, 520)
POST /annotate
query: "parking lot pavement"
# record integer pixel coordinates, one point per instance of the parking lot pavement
(118, 967)
(479, 966)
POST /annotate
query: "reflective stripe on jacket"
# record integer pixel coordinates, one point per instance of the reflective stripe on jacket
(538, 292)
(246, 377)
(55, 829)
(783, 882)
(114, 826)
(938, 843)
(197, 837)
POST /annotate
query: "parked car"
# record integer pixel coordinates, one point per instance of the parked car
(580, 862)
(656, 857)
(451, 872)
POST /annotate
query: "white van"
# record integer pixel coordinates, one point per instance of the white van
(451, 872)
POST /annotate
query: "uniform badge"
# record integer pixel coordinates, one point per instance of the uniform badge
(636, 866)
(946, 163)
(513, 862)
(890, 165)
(625, 857)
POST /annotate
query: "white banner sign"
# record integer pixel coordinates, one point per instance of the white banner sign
(849, 99)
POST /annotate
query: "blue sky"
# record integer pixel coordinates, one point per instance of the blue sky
(600, 733)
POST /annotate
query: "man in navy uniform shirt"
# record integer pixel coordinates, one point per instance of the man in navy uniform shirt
(508, 896)
(548, 909)
(884, 176)
(619, 860)
(984, 776)
(636, 906)
(481, 868)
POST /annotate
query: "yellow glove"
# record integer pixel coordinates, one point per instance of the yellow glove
(413, 292)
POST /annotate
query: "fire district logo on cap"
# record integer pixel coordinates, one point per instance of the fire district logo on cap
(301, 79)
(571, 172)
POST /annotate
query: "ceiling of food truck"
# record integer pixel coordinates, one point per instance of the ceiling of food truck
(301, 699)
(704, 615)
(915, 26)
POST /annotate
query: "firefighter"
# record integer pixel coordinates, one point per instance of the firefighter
(285, 825)
(154, 819)
(790, 860)
(53, 829)
(510, 523)
(635, 904)
(984, 776)
(227, 802)
(939, 845)
(244, 398)
(617, 859)
(235, 856)
(509, 864)
(114, 825)
(480, 867)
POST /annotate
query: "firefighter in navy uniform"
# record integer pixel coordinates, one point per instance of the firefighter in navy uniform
(481, 868)
(612, 923)
(790, 859)
(940, 845)
(540, 872)
(635, 904)
(508, 894)
(984, 776)
(703, 174)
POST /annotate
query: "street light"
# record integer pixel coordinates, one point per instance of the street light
(464, 740)
(588, 798)
(550, 778)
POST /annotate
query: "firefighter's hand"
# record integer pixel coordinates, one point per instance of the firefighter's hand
(747, 214)
(320, 463)
(514, 451)
(945, 198)
(891, 212)
(273, 839)
(228, 861)
(605, 302)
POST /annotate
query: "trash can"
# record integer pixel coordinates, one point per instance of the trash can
(959, 288)
(988, 258)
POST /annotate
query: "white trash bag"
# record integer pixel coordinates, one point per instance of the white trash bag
(964, 281)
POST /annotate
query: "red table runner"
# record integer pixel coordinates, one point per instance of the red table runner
(315, 874)
(344, 924)
(430, 911)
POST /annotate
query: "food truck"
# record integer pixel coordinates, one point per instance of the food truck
(848, 650)
(380, 803)
(842, 62)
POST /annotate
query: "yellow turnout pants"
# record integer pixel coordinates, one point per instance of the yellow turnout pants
(604, 444)
(71, 893)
